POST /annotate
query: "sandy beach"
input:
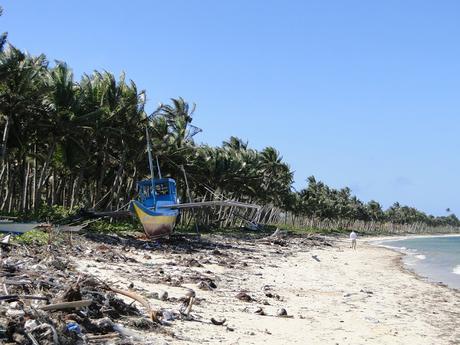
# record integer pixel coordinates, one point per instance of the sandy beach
(332, 294)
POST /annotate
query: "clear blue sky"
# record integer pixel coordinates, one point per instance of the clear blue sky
(363, 94)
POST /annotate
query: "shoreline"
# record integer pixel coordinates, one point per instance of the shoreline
(411, 271)
(379, 242)
(379, 238)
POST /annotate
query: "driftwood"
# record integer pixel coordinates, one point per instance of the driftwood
(275, 238)
(190, 296)
(153, 314)
(103, 336)
(16, 297)
(32, 338)
(68, 305)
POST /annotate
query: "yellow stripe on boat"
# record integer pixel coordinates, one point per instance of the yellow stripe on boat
(155, 226)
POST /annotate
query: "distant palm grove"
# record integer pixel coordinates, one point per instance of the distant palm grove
(82, 144)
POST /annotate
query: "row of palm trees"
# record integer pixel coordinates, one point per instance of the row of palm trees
(81, 143)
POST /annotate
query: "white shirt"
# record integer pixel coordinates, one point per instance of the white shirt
(353, 236)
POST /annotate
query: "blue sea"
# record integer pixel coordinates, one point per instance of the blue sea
(435, 257)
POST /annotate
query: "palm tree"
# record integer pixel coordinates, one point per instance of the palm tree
(3, 36)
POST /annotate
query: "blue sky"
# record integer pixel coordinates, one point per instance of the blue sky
(363, 94)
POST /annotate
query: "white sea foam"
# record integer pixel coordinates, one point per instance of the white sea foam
(420, 257)
(456, 269)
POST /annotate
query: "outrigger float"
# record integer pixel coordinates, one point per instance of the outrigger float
(12, 227)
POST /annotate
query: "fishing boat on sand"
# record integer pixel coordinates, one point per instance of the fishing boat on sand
(157, 206)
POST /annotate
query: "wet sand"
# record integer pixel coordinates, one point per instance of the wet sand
(332, 295)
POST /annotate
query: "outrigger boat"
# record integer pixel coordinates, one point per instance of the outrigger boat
(157, 207)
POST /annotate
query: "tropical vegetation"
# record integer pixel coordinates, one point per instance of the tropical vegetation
(80, 143)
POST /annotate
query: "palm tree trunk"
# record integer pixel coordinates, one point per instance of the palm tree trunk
(25, 185)
(34, 179)
(6, 132)
(42, 174)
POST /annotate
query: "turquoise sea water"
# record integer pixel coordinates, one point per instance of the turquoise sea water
(436, 258)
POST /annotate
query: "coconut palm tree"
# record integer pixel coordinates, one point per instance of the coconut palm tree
(3, 36)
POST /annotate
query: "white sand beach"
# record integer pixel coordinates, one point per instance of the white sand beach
(332, 295)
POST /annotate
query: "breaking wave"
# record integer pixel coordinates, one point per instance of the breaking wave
(456, 269)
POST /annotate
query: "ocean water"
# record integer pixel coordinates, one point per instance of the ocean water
(435, 257)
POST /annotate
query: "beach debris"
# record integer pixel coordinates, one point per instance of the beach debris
(190, 299)
(315, 257)
(275, 234)
(218, 322)
(105, 325)
(276, 237)
(168, 315)
(81, 305)
(281, 312)
(68, 305)
(259, 311)
(163, 296)
(371, 319)
(366, 291)
(108, 336)
(49, 296)
(153, 295)
(71, 326)
(6, 239)
(207, 284)
(153, 314)
(11, 298)
(243, 296)
(193, 263)
(273, 295)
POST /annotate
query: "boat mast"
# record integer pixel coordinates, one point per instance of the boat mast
(149, 149)
(149, 153)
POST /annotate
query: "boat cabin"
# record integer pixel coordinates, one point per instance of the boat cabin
(163, 193)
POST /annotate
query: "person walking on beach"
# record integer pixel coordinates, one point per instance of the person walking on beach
(353, 238)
